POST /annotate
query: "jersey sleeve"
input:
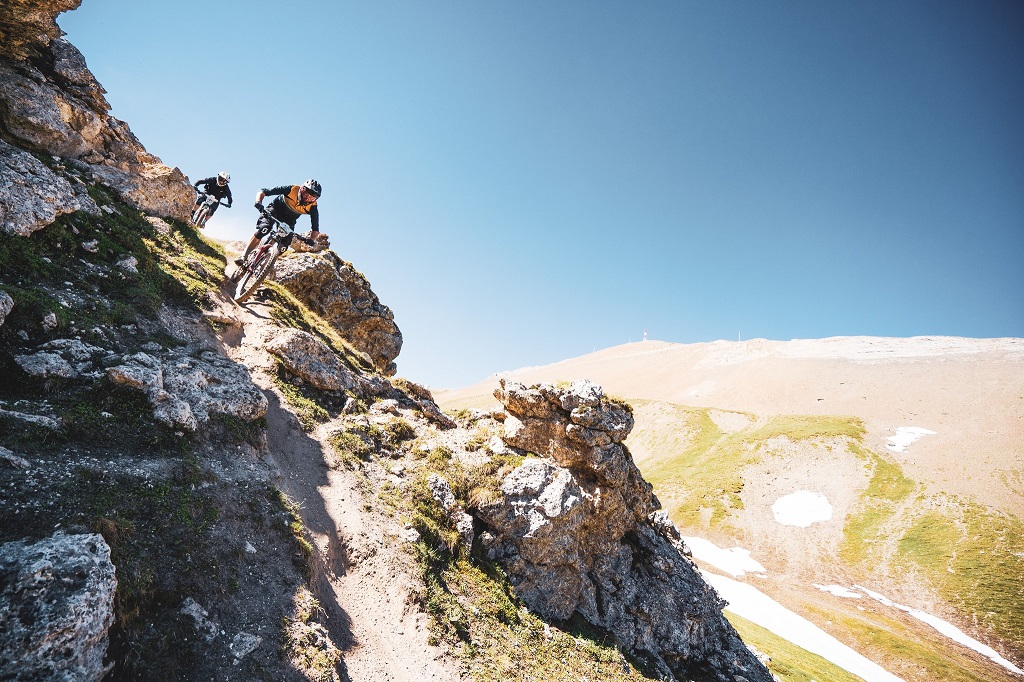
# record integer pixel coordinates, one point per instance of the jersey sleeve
(283, 189)
(314, 218)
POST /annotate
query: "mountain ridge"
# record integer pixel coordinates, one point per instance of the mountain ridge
(970, 391)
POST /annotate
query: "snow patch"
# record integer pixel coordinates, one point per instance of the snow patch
(948, 629)
(735, 561)
(838, 590)
(905, 435)
(802, 508)
(748, 602)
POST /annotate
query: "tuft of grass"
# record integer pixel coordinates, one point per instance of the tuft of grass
(352, 448)
(306, 645)
(291, 520)
(308, 411)
(240, 430)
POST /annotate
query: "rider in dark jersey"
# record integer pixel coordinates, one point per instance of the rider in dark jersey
(292, 202)
(216, 186)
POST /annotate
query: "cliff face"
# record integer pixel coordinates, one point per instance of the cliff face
(51, 105)
(340, 294)
(579, 531)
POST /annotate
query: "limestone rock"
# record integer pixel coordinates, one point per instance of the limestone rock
(424, 399)
(6, 306)
(441, 491)
(206, 628)
(342, 296)
(186, 391)
(36, 420)
(25, 24)
(309, 358)
(56, 607)
(51, 103)
(12, 460)
(64, 358)
(32, 196)
(578, 530)
(244, 644)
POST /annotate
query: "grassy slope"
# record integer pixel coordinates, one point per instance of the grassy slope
(971, 557)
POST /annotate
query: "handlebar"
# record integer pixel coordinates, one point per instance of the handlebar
(203, 196)
(266, 214)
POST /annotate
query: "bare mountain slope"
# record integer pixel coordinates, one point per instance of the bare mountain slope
(970, 392)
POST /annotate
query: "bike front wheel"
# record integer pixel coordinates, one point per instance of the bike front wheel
(201, 215)
(255, 273)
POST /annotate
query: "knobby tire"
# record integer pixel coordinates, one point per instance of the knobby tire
(200, 216)
(255, 275)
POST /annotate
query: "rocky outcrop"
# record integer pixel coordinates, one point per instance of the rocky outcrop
(32, 195)
(186, 391)
(424, 400)
(578, 531)
(308, 358)
(312, 362)
(27, 24)
(341, 295)
(63, 358)
(50, 103)
(56, 607)
(6, 306)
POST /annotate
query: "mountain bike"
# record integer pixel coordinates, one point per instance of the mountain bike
(257, 266)
(204, 210)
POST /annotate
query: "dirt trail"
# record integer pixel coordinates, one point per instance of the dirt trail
(361, 575)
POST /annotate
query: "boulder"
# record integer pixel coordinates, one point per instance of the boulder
(6, 306)
(340, 294)
(579, 531)
(56, 608)
(310, 359)
(50, 103)
(64, 358)
(32, 196)
(186, 391)
(424, 400)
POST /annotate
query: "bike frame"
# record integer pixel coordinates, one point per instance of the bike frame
(278, 231)
(260, 262)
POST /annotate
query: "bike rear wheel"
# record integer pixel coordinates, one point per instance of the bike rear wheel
(255, 274)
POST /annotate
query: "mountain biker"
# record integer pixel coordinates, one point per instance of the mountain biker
(292, 201)
(216, 186)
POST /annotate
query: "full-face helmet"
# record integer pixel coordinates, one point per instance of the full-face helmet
(312, 186)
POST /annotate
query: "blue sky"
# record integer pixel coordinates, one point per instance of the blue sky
(523, 182)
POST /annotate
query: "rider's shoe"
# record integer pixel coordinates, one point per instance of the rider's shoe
(238, 262)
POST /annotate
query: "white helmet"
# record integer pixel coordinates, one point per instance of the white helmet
(223, 178)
